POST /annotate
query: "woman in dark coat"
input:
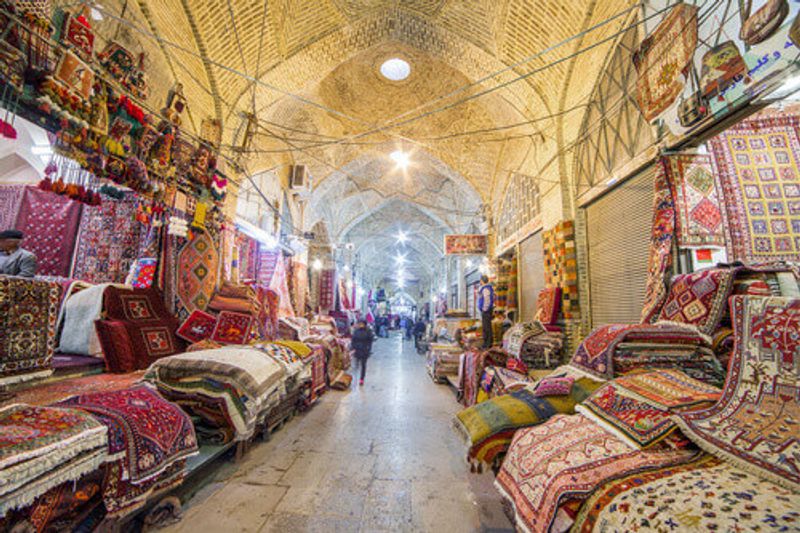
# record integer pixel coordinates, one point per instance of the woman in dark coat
(361, 343)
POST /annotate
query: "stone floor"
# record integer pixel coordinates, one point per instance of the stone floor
(381, 457)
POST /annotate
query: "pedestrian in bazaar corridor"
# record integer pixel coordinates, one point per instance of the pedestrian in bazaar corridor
(361, 343)
(14, 260)
(486, 307)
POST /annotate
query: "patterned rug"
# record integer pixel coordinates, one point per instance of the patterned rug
(515, 337)
(108, 241)
(267, 264)
(662, 57)
(280, 285)
(196, 275)
(50, 223)
(327, 285)
(662, 235)
(668, 388)
(703, 495)
(55, 391)
(10, 200)
(754, 425)
(568, 457)
(42, 447)
(757, 164)
(28, 314)
(698, 214)
(146, 433)
(699, 299)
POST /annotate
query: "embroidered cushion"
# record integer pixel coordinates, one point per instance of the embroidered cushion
(699, 299)
(197, 327)
(554, 386)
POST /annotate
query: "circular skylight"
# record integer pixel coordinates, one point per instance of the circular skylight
(395, 69)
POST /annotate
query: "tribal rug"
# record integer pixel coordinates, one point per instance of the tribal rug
(515, 337)
(698, 213)
(548, 305)
(568, 457)
(42, 447)
(757, 164)
(662, 236)
(10, 200)
(754, 425)
(55, 391)
(327, 285)
(196, 275)
(662, 57)
(28, 314)
(702, 495)
(280, 285)
(268, 261)
(146, 433)
(699, 299)
(108, 241)
(50, 223)
(668, 388)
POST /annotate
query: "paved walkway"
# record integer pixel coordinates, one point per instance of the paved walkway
(382, 457)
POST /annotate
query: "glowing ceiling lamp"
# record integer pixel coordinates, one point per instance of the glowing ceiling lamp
(402, 238)
(395, 69)
(316, 264)
(401, 158)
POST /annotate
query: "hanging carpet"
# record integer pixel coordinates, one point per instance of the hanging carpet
(195, 275)
(698, 215)
(10, 200)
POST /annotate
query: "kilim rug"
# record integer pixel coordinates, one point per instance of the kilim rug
(327, 286)
(568, 457)
(758, 164)
(698, 215)
(662, 57)
(196, 275)
(10, 200)
(50, 223)
(703, 495)
(108, 241)
(662, 235)
(668, 388)
(699, 299)
(755, 423)
(28, 314)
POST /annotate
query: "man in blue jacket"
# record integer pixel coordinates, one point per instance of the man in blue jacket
(486, 307)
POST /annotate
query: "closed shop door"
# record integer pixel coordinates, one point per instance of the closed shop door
(531, 274)
(619, 226)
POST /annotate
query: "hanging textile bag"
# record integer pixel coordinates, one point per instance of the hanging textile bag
(759, 26)
(721, 67)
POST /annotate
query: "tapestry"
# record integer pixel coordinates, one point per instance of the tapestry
(196, 275)
(108, 241)
(698, 212)
(568, 457)
(757, 165)
(511, 412)
(667, 388)
(55, 391)
(327, 285)
(662, 57)
(10, 201)
(548, 304)
(232, 328)
(42, 447)
(702, 495)
(635, 422)
(28, 314)
(662, 235)
(754, 424)
(145, 432)
(199, 326)
(699, 299)
(50, 223)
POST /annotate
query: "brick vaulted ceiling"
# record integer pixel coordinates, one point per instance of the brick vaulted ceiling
(309, 71)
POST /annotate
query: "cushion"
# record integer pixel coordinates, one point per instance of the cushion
(699, 299)
(116, 345)
(134, 304)
(227, 303)
(548, 305)
(554, 386)
(134, 345)
(197, 327)
(232, 328)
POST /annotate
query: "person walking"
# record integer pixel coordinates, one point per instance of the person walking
(361, 343)
(486, 307)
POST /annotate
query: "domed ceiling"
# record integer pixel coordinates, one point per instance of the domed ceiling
(495, 88)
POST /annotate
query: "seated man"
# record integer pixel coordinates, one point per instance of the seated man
(15, 261)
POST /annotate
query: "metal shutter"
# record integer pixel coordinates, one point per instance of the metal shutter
(530, 266)
(619, 226)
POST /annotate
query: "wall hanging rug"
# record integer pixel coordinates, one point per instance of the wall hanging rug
(703, 495)
(10, 201)
(757, 165)
(195, 275)
(41, 447)
(268, 261)
(698, 212)
(28, 314)
(568, 457)
(280, 285)
(662, 57)
(699, 299)
(198, 327)
(299, 287)
(108, 241)
(327, 285)
(145, 432)
(754, 425)
(662, 235)
(232, 328)
(50, 222)
(519, 409)
(249, 256)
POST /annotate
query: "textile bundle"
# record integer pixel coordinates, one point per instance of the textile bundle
(28, 314)
(42, 447)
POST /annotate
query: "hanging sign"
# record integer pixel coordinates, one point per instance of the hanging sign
(471, 244)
